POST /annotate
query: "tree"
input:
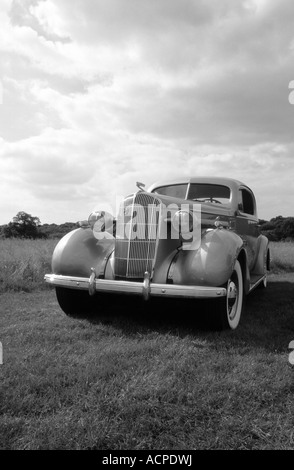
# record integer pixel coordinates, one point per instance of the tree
(288, 227)
(279, 228)
(23, 225)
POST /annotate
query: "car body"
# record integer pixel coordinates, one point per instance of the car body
(195, 238)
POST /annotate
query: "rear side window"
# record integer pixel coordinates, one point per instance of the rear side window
(246, 202)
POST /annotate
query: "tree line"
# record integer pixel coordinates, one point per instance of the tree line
(278, 229)
(25, 225)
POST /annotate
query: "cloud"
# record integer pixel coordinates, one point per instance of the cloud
(30, 13)
(98, 95)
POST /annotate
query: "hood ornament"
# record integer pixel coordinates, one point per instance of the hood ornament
(141, 186)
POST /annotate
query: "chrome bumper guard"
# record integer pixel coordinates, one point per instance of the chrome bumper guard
(145, 288)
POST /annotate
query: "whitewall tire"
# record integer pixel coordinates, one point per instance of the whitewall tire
(227, 311)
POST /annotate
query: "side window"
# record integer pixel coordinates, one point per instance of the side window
(240, 201)
(246, 202)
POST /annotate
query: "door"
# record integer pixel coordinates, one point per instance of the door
(247, 223)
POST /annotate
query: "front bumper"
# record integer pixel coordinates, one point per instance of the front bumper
(145, 288)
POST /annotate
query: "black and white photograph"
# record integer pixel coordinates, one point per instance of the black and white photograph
(146, 227)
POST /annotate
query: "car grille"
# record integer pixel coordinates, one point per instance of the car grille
(136, 236)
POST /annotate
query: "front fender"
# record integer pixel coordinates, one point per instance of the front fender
(212, 263)
(78, 251)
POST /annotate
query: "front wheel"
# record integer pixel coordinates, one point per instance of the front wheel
(75, 303)
(228, 310)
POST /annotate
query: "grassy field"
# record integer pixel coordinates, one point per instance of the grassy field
(282, 254)
(24, 262)
(132, 378)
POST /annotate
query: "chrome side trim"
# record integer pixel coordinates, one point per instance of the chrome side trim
(144, 288)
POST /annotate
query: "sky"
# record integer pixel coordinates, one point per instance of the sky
(98, 94)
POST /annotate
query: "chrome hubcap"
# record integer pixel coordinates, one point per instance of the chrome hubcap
(232, 299)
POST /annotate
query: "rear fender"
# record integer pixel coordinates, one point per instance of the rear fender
(263, 257)
(79, 251)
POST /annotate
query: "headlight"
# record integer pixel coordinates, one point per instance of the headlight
(95, 217)
(185, 222)
(182, 221)
(101, 221)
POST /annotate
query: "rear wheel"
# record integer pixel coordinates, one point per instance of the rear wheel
(228, 310)
(75, 303)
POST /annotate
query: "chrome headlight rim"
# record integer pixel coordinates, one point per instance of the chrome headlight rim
(94, 217)
(186, 226)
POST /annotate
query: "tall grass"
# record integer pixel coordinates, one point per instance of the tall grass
(23, 263)
(282, 256)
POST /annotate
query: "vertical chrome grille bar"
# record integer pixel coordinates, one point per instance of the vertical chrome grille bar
(130, 234)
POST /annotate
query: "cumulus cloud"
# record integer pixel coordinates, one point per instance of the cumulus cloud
(30, 13)
(98, 95)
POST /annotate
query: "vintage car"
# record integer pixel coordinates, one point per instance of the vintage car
(190, 238)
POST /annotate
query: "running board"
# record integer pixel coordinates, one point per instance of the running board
(254, 284)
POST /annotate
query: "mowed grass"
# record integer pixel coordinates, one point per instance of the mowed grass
(135, 377)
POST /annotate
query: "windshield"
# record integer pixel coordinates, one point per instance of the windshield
(213, 193)
(174, 190)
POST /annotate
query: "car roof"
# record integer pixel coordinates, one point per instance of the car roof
(230, 182)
